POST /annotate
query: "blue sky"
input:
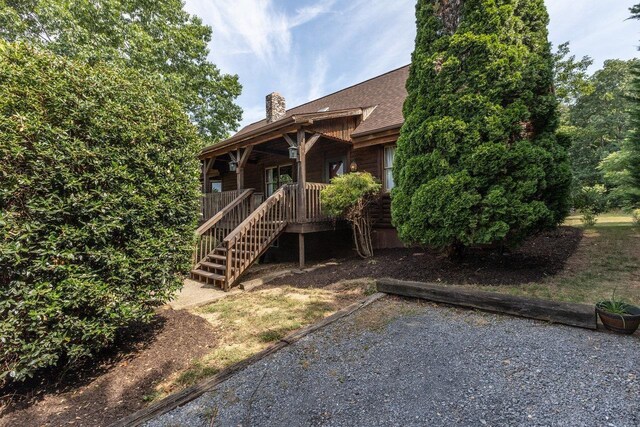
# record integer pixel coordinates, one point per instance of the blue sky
(308, 48)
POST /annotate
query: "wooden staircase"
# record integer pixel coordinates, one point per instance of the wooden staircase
(239, 234)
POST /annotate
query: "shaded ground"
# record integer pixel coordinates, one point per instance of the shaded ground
(248, 322)
(539, 257)
(114, 384)
(404, 363)
(607, 261)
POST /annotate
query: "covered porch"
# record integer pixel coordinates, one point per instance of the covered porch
(258, 186)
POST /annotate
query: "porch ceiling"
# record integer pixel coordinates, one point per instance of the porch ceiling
(311, 123)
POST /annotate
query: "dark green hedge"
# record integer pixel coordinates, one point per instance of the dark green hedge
(478, 162)
(98, 204)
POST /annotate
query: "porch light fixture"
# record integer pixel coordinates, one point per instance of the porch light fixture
(353, 166)
(233, 166)
(293, 153)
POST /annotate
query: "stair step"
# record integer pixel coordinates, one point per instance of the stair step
(208, 275)
(234, 251)
(212, 265)
(218, 257)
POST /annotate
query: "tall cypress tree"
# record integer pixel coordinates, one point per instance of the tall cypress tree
(478, 161)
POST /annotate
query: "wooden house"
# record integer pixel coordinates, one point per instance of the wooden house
(263, 184)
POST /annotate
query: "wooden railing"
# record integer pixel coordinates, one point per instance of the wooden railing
(212, 233)
(257, 232)
(314, 205)
(212, 203)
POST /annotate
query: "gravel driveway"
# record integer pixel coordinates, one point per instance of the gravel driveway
(404, 363)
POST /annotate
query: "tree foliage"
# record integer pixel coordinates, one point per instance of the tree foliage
(591, 201)
(601, 120)
(622, 169)
(155, 37)
(349, 196)
(98, 203)
(570, 76)
(478, 161)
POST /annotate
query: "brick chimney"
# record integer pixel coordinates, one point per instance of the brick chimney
(276, 107)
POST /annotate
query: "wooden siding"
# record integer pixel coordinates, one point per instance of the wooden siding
(381, 212)
(337, 128)
(369, 159)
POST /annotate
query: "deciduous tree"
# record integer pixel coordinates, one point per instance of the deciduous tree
(154, 37)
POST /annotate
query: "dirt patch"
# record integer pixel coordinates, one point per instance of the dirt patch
(114, 384)
(539, 257)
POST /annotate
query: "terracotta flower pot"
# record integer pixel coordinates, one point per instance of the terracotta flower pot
(620, 323)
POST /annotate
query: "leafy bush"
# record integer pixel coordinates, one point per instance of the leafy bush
(636, 216)
(349, 196)
(478, 161)
(591, 201)
(98, 203)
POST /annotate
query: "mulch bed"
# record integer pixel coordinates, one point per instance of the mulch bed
(114, 384)
(540, 256)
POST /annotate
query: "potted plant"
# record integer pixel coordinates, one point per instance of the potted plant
(618, 316)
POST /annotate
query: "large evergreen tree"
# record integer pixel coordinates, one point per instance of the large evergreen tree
(155, 37)
(478, 160)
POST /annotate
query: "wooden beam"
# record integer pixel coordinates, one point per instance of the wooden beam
(289, 140)
(271, 151)
(312, 141)
(302, 176)
(580, 315)
(222, 148)
(241, 159)
(243, 155)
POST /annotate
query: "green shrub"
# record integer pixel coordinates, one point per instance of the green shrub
(636, 216)
(478, 161)
(591, 201)
(349, 196)
(98, 203)
(345, 191)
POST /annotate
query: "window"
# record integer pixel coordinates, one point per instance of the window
(216, 186)
(271, 180)
(389, 154)
(277, 176)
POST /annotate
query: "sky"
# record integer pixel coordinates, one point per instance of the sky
(305, 49)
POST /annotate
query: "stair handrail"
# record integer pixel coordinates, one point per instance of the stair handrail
(204, 247)
(221, 214)
(280, 219)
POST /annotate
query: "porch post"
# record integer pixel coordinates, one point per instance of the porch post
(240, 178)
(302, 177)
(242, 159)
(301, 250)
(206, 166)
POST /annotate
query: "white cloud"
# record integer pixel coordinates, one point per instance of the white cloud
(254, 27)
(305, 49)
(318, 78)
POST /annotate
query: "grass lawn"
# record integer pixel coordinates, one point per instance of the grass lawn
(247, 323)
(607, 261)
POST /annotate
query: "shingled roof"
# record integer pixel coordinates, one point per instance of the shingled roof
(386, 92)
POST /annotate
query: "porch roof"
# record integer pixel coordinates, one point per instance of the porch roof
(275, 130)
(379, 101)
